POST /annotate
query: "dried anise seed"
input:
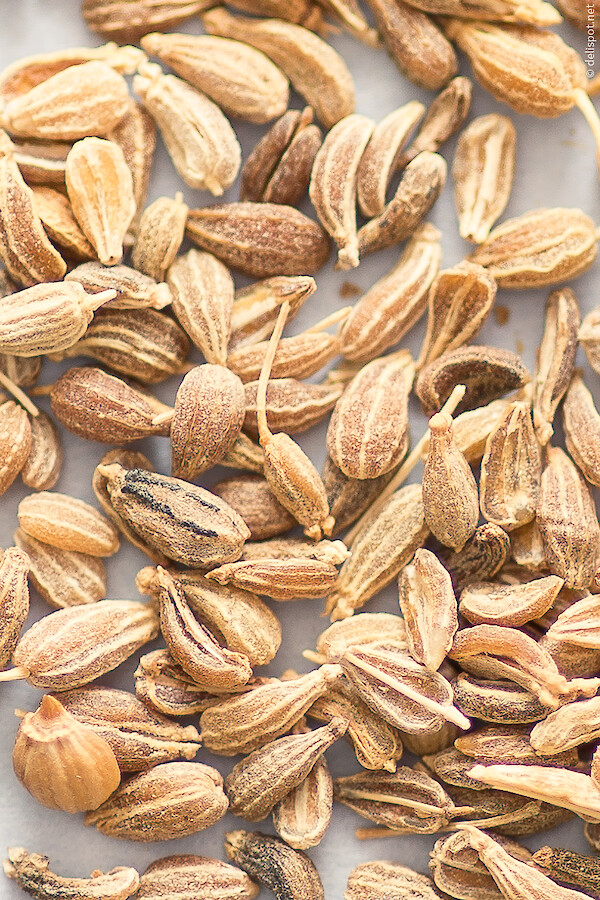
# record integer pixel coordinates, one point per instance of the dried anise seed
(511, 604)
(289, 873)
(160, 231)
(428, 606)
(127, 20)
(32, 874)
(181, 876)
(133, 289)
(14, 600)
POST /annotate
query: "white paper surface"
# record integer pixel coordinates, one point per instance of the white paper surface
(555, 167)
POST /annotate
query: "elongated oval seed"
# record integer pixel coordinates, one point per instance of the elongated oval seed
(31, 872)
(68, 523)
(185, 522)
(289, 873)
(14, 600)
(181, 875)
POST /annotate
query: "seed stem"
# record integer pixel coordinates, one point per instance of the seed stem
(264, 432)
(590, 113)
(19, 395)
(15, 674)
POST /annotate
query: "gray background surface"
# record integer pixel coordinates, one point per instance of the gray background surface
(555, 167)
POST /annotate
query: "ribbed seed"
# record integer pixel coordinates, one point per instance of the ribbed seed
(428, 606)
(56, 215)
(511, 604)
(15, 442)
(160, 232)
(14, 601)
(257, 306)
(555, 359)
(163, 686)
(127, 20)
(179, 876)
(133, 289)
(68, 523)
(251, 496)
(280, 579)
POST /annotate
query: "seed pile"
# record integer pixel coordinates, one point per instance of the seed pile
(489, 672)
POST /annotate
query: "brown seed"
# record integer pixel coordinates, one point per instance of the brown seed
(532, 13)
(133, 289)
(61, 762)
(101, 407)
(419, 188)
(460, 300)
(317, 71)
(15, 442)
(566, 517)
(381, 548)
(407, 800)
(280, 579)
(555, 359)
(450, 496)
(581, 423)
(261, 511)
(199, 138)
(143, 344)
(56, 215)
(292, 406)
(127, 20)
(238, 78)
(180, 876)
(368, 431)
(257, 306)
(100, 188)
(136, 136)
(333, 183)
(193, 646)
(487, 373)
(565, 865)
(25, 248)
(511, 470)
(483, 173)
(31, 872)
(42, 162)
(268, 774)
(289, 873)
(163, 686)
(395, 302)
(349, 498)
(482, 556)
(542, 247)
(73, 646)
(208, 417)
(169, 801)
(14, 600)
(159, 235)
(278, 168)
(90, 98)
(415, 43)
(260, 239)
(247, 721)
(444, 117)
(202, 292)
(186, 523)
(497, 701)
(368, 880)
(456, 867)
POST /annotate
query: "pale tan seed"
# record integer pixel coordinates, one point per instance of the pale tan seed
(127, 20)
(381, 156)
(577, 624)
(333, 183)
(134, 290)
(180, 875)
(100, 188)
(361, 629)
(56, 215)
(68, 523)
(81, 100)
(136, 136)
(395, 302)
(456, 868)
(483, 173)
(541, 247)
(567, 520)
(280, 579)
(368, 880)
(527, 547)
(415, 43)
(317, 71)
(555, 359)
(450, 496)
(334, 552)
(73, 646)
(63, 577)
(170, 801)
(237, 77)
(25, 249)
(14, 600)
(302, 817)
(163, 686)
(159, 235)
(581, 423)
(208, 417)
(428, 606)
(512, 604)
(571, 725)
(32, 874)
(588, 338)
(15, 442)
(256, 307)
(201, 143)
(511, 470)
(43, 464)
